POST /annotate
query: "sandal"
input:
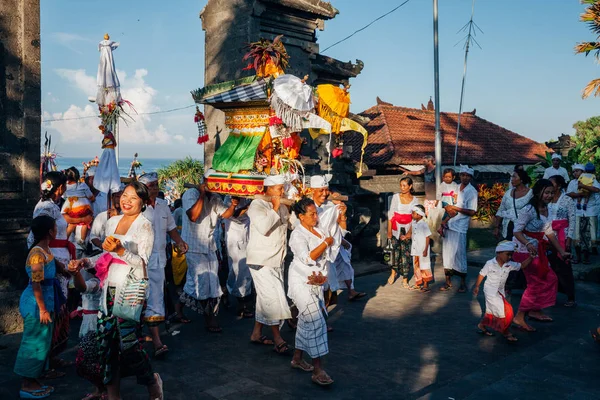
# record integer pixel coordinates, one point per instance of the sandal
(282, 349)
(445, 288)
(543, 319)
(406, 285)
(214, 329)
(180, 320)
(263, 340)
(392, 278)
(302, 365)
(161, 351)
(425, 289)
(414, 287)
(483, 331)
(525, 328)
(322, 379)
(357, 296)
(511, 338)
(34, 394)
(52, 374)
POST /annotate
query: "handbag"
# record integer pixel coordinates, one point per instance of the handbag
(130, 299)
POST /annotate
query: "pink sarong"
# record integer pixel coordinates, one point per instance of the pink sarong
(542, 283)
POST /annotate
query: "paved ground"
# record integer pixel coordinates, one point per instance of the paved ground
(394, 344)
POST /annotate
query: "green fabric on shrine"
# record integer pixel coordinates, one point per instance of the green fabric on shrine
(237, 153)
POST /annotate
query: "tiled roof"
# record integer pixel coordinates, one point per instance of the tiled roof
(316, 7)
(400, 135)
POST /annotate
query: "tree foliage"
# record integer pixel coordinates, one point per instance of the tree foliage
(587, 140)
(591, 16)
(172, 177)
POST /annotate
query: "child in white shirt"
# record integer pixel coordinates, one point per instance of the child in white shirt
(420, 234)
(447, 195)
(78, 202)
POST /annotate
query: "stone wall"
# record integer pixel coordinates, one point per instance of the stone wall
(20, 105)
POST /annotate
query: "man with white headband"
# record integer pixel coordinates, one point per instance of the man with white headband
(265, 255)
(498, 312)
(159, 214)
(556, 169)
(202, 289)
(333, 221)
(454, 251)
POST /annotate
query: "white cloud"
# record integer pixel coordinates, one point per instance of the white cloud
(134, 89)
(69, 40)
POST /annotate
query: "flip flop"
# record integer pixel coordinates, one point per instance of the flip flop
(510, 338)
(282, 349)
(524, 329)
(445, 288)
(547, 319)
(161, 351)
(322, 380)
(34, 394)
(425, 289)
(303, 366)
(484, 331)
(357, 296)
(263, 340)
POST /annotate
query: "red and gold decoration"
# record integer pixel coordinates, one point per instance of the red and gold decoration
(201, 123)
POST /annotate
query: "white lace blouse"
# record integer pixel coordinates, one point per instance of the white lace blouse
(138, 242)
(530, 222)
(564, 208)
(507, 212)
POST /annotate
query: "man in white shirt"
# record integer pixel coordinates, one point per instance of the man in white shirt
(587, 227)
(158, 212)
(265, 254)
(202, 289)
(573, 192)
(556, 169)
(454, 251)
(332, 220)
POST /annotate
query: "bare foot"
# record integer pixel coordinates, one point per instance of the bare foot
(392, 277)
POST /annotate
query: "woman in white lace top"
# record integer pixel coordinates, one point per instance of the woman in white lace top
(514, 200)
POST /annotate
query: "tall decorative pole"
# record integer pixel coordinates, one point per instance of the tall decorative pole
(436, 76)
(110, 105)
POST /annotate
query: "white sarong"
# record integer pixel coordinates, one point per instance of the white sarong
(202, 279)
(271, 304)
(311, 332)
(344, 269)
(454, 252)
(239, 282)
(155, 307)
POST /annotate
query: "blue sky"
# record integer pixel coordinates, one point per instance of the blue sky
(526, 78)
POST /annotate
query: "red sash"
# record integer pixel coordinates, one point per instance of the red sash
(559, 226)
(64, 244)
(544, 264)
(400, 219)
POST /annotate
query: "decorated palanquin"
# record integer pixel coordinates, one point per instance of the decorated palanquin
(264, 114)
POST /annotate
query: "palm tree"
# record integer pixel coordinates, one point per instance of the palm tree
(591, 16)
(172, 177)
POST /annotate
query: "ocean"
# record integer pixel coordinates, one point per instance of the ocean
(148, 164)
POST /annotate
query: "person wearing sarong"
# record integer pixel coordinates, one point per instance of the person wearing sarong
(37, 307)
(265, 255)
(573, 192)
(498, 311)
(533, 235)
(307, 274)
(454, 250)
(420, 234)
(158, 213)
(53, 187)
(333, 221)
(589, 220)
(202, 289)
(127, 249)
(239, 280)
(562, 211)
(86, 362)
(399, 220)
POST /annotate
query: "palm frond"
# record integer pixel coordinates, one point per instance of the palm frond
(592, 87)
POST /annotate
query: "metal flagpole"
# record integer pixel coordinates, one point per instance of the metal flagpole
(436, 75)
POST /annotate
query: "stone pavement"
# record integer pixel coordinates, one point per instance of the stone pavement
(395, 344)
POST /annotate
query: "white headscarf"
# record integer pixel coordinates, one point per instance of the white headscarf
(273, 180)
(319, 181)
(556, 155)
(419, 211)
(578, 166)
(464, 169)
(148, 178)
(505, 245)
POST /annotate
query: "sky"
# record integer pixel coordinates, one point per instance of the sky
(525, 77)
